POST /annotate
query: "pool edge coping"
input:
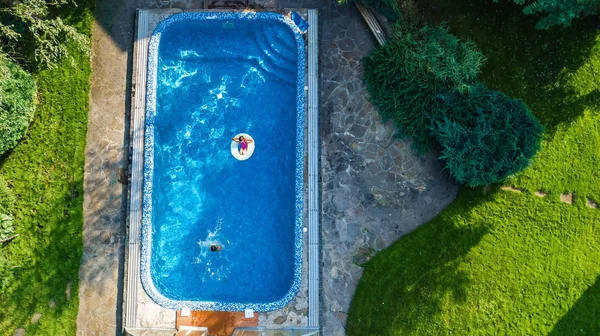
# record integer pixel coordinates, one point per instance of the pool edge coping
(314, 190)
(146, 236)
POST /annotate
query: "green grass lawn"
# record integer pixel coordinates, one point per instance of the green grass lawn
(46, 173)
(504, 262)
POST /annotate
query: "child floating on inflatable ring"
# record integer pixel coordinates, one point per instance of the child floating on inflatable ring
(243, 143)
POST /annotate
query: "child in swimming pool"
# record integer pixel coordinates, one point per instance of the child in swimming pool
(243, 143)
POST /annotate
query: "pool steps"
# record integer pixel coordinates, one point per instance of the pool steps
(271, 58)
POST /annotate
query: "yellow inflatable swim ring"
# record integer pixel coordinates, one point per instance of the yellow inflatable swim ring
(235, 147)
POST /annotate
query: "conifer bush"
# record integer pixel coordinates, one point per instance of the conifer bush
(426, 81)
(558, 12)
(17, 103)
(406, 76)
(486, 136)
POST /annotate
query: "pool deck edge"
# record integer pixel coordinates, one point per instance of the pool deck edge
(314, 212)
(135, 297)
(137, 115)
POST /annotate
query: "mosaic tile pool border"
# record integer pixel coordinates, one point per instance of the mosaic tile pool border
(146, 234)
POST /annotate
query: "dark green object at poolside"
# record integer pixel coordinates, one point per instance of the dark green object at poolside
(486, 136)
(426, 81)
(405, 77)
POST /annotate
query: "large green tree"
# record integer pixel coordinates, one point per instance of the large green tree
(28, 29)
(559, 12)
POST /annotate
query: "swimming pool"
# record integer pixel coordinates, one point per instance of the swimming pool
(212, 76)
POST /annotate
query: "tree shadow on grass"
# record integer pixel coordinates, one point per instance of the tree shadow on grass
(46, 257)
(539, 67)
(46, 171)
(49, 249)
(584, 317)
(405, 287)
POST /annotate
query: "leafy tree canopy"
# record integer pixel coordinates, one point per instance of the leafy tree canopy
(17, 103)
(27, 27)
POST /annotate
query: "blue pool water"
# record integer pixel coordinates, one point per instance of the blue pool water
(215, 79)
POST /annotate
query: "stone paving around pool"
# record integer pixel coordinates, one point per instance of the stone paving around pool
(102, 268)
(375, 188)
(100, 290)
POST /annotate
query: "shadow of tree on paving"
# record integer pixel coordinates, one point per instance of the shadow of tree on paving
(102, 265)
(538, 66)
(584, 317)
(116, 18)
(418, 274)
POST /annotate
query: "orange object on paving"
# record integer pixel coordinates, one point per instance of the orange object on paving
(218, 323)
